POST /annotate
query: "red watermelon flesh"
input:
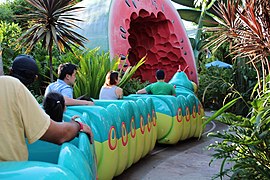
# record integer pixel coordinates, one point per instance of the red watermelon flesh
(138, 28)
(152, 28)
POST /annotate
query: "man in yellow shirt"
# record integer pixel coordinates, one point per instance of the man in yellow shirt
(21, 116)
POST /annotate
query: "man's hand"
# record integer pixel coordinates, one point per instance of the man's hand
(75, 117)
(90, 103)
(86, 129)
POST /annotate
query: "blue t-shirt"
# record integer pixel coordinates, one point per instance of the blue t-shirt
(61, 87)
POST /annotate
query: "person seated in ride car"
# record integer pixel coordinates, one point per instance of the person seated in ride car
(63, 85)
(160, 87)
(110, 90)
(54, 106)
(22, 117)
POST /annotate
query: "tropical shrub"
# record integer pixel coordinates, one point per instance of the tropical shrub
(129, 72)
(93, 67)
(52, 23)
(245, 145)
(133, 86)
(9, 32)
(215, 84)
(43, 62)
(218, 86)
(209, 54)
(15, 8)
(6, 13)
(245, 24)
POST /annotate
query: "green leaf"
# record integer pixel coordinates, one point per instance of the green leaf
(57, 30)
(130, 71)
(188, 3)
(220, 111)
(194, 15)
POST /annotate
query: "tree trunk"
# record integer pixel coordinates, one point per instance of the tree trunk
(51, 67)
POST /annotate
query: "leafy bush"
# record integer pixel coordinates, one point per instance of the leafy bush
(246, 142)
(214, 86)
(133, 86)
(57, 31)
(129, 72)
(10, 33)
(6, 13)
(43, 61)
(93, 68)
(218, 86)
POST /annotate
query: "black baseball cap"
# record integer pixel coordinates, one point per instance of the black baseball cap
(24, 67)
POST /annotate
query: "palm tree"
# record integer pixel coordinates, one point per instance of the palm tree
(52, 22)
(246, 25)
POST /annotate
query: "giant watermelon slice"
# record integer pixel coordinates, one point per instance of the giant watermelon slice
(137, 28)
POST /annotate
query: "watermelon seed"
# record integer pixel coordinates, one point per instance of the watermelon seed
(123, 36)
(134, 4)
(122, 29)
(127, 3)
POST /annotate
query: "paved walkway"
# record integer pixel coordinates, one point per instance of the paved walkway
(187, 160)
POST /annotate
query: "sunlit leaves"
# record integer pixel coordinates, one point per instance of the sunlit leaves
(246, 27)
(52, 23)
(246, 142)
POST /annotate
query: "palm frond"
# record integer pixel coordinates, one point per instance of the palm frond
(52, 21)
(246, 27)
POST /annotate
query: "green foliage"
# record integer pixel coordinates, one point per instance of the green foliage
(221, 54)
(246, 142)
(52, 22)
(43, 62)
(245, 145)
(133, 85)
(129, 72)
(6, 13)
(9, 33)
(93, 67)
(193, 15)
(218, 86)
(214, 86)
(11, 10)
(245, 25)
(19, 8)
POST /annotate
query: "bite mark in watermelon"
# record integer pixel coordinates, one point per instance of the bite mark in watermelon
(137, 28)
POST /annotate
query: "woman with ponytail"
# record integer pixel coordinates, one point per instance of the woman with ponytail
(110, 90)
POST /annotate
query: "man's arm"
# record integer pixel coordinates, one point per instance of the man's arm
(141, 91)
(59, 133)
(71, 101)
